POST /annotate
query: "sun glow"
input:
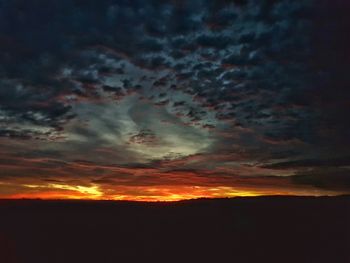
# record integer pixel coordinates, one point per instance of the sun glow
(91, 191)
(59, 191)
(171, 193)
(136, 193)
(146, 193)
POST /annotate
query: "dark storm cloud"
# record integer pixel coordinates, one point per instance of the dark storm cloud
(218, 42)
(266, 79)
(332, 162)
(144, 137)
(326, 178)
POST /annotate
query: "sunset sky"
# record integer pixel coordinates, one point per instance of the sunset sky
(169, 99)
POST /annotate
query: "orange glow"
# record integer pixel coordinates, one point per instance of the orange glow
(144, 193)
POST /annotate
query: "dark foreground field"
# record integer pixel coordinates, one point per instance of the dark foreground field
(265, 229)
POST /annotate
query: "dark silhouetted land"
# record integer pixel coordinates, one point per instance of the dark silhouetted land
(263, 229)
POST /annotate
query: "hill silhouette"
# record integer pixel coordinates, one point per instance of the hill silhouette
(255, 229)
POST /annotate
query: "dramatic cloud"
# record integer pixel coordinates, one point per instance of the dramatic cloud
(173, 99)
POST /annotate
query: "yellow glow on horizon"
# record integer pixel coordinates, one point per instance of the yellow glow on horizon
(92, 191)
(146, 193)
(169, 194)
(82, 192)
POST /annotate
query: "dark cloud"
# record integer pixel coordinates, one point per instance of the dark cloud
(217, 42)
(326, 178)
(331, 162)
(145, 136)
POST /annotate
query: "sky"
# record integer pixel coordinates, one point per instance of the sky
(164, 100)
